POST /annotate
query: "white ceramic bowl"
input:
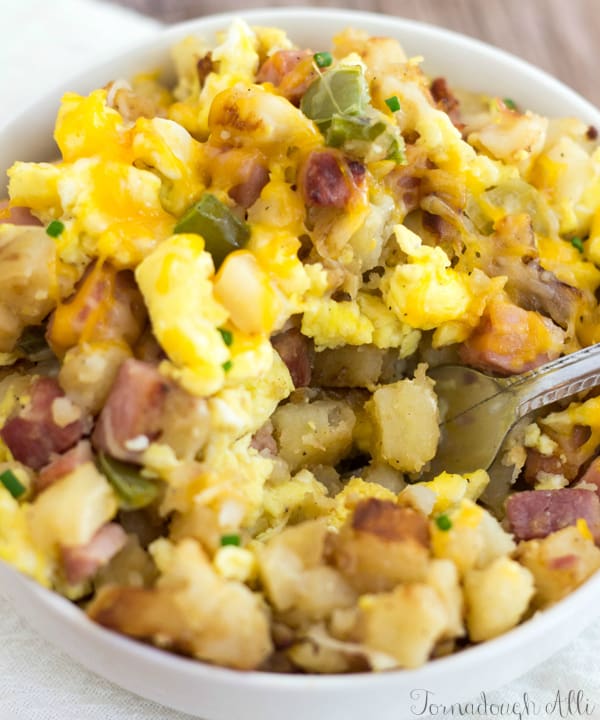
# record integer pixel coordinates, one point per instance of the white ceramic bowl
(220, 694)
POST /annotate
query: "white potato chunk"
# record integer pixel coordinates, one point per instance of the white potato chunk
(474, 539)
(27, 278)
(348, 366)
(71, 510)
(89, 370)
(496, 598)
(405, 416)
(405, 623)
(317, 433)
(295, 576)
(559, 563)
(443, 576)
(191, 609)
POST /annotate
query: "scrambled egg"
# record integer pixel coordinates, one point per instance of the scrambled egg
(16, 544)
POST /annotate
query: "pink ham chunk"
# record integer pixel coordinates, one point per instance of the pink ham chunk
(133, 411)
(537, 513)
(510, 340)
(16, 215)
(64, 464)
(296, 352)
(592, 475)
(82, 562)
(263, 440)
(33, 435)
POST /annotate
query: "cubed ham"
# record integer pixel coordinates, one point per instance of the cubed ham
(81, 563)
(133, 411)
(446, 101)
(537, 513)
(64, 464)
(33, 434)
(16, 215)
(263, 440)
(144, 406)
(296, 352)
(591, 477)
(510, 340)
(106, 305)
(326, 180)
(253, 177)
(290, 71)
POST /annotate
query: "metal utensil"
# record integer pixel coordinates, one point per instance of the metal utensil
(478, 411)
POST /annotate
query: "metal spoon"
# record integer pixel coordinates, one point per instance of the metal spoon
(478, 411)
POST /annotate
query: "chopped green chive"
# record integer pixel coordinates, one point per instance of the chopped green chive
(510, 104)
(577, 242)
(443, 522)
(227, 336)
(227, 365)
(230, 540)
(12, 484)
(323, 59)
(55, 228)
(393, 103)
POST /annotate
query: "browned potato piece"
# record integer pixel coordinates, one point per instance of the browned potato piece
(406, 420)
(559, 563)
(317, 433)
(383, 545)
(348, 366)
(191, 609)
(141, 613)
(27, 278)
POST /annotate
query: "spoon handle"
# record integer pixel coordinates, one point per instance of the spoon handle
(558, 379)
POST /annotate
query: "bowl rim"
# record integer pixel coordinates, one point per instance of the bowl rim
(466, 658)
(544, 620)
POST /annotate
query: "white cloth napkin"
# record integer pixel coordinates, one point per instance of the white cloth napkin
(42, 42)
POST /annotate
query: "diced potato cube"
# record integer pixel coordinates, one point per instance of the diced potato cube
(244, 289)
(405, 623)
(89, 370)
(191, 608)
(406, 420)
(496, 598)
(317, 433)
(292, 569)
(559, 563)
(348, 366)
(443, 576)
(27, 278)
(384, 544)
(70, 511)
(474, 539)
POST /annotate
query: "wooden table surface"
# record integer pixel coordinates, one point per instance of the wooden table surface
(560, 36)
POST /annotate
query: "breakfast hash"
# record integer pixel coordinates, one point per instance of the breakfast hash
(219, 308)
